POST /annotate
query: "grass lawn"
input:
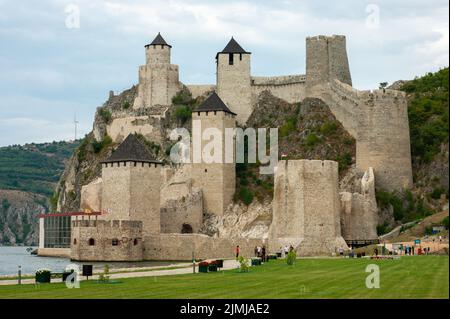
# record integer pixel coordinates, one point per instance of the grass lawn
(408, 277)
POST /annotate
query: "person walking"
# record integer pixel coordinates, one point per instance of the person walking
(256, 251)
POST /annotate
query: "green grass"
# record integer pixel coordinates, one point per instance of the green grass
(408, 277)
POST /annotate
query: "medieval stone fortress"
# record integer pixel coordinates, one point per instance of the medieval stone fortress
(150, 211)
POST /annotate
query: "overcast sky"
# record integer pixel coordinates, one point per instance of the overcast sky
(53, 65)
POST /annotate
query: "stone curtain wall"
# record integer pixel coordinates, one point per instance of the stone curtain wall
(127, 233)
(379, 121)
(181, 247)
(306, 207)
(290, 88)
(200, 89)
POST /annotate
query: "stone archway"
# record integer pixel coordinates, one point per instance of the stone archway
(186, 229)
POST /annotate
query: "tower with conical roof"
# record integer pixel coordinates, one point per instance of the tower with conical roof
(216, 177)
(234, 79)
(158, 78)
(131, 185)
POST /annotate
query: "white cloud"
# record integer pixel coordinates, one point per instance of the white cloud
(49, 72)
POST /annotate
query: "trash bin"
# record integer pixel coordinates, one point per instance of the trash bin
(87, 270)
(212, 267)
(203, 267)
(43, 276)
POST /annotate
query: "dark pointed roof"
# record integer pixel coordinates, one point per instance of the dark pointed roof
(213, 103)
(233, 47)
(131, 149)
(159, 40)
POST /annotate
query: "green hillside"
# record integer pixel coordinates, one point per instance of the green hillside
(34, 167)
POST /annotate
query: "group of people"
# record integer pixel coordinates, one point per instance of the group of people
(261, 252)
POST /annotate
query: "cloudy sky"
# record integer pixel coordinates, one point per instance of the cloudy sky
(53, 65)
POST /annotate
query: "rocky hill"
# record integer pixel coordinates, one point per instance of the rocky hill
(28, 176)
(306, 130)
(18, 217)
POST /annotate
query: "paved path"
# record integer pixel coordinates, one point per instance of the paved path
(227, 264)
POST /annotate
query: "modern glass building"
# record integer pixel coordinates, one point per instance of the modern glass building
(57, 232)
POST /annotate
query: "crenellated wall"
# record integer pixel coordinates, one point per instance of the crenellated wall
(92, 240)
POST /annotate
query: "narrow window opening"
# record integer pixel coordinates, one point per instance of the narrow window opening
(230, 58)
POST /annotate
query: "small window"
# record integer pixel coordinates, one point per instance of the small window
(74, 241)
(135, 241)
(206, 170)
(91, 242)
(240, 56)
(115, 242)
(230, 58)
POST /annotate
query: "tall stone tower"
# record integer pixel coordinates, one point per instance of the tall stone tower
(234, 79)
(326, 60)
(217, 179)
(131, 185)
(158, 79)
(306, 207)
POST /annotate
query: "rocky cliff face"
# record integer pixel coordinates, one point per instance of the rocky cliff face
(18, 217)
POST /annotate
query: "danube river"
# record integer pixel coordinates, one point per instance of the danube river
(13, 257)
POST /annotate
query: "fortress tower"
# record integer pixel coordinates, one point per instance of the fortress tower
(158, 79)
(131, 185)
(217, 179)
(306, 207)
(234, 79)
(326, 60)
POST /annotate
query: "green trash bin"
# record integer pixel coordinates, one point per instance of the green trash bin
(212, 267)
(203, 267)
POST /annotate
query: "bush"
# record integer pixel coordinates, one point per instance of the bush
(182, 97)
(288, 127)
(126, 105)
(105, 115)
(183, 113)
(312, 139)
(437, 192)
(344, 161)
(243, 264)
(382, 229)
(328, 127)
(5, 204)
(245, 195)
(428, 230)
(104, 277)
(99, 146)
(291, 257)
(445, 222)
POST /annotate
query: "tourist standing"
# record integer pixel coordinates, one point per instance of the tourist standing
(238, 250)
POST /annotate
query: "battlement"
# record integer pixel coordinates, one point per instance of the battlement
(278, 80)
(120, 224)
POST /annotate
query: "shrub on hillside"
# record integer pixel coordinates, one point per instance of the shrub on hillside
(105, 115)
(245, 195)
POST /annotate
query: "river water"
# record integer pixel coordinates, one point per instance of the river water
(13, 257)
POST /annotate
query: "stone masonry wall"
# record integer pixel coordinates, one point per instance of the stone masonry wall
(127, 233)
(306, 207)
(290, 88)
(200, 89)
(234, 84)
(217, 180)
(184, 207)
(181, 247)
(132, 192)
